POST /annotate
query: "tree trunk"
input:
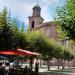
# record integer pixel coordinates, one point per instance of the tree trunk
(58, 63)
(63, 64)
(48, 64)
(31, 62)
(68, 64)
(40, 63)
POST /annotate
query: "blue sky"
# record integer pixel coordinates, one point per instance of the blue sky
(23, 8)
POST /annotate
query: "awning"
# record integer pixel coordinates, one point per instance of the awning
(28, 52)
(20, 52)
(9, 52)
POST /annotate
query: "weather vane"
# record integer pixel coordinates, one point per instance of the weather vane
(37, 2)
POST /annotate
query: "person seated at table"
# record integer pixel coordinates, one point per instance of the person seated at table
(7, 68)
(25, 72)
(2, 72)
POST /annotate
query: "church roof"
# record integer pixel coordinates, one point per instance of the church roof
(46, 24)
(36, 17)
(36, 7)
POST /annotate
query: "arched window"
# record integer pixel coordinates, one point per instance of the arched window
(33, 24)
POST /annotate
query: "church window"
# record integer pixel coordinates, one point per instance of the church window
(40, 23)
(33, 24)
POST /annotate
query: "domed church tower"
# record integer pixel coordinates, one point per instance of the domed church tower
(36, 19)
(36, 10)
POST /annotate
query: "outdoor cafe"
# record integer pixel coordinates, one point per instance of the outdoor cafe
(19, 70)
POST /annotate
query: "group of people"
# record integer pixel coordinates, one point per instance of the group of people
(28, 71)
(4, 70)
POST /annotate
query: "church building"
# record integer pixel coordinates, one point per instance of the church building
(36, 22)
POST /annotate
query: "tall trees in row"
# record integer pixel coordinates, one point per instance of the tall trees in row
(40, 43)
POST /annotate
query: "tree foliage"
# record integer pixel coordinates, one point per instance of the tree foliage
(10, 35)
(66, 18)
(58, 51)
(39, 42)
(6, 31)
(67, 56)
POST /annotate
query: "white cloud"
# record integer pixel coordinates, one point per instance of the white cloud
(23, 8)
(52, 1)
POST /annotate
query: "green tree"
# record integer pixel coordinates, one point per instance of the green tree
(6, 32)
(66, 18)
(10, 35)
(40, 43)
(67, 56)
(57, 52)
(19, 35)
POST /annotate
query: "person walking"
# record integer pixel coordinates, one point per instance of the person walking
(25, 72)
(36, 68)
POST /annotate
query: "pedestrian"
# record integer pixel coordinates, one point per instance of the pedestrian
(36, 68)
(2, 72)
(25, 72)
